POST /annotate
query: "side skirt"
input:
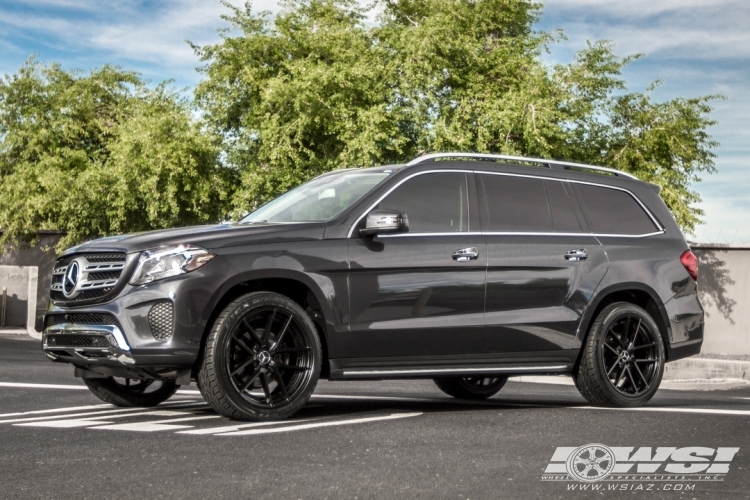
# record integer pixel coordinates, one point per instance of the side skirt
(536, 363)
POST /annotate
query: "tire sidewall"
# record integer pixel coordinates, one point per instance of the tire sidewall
(221, 331)
(611, 314)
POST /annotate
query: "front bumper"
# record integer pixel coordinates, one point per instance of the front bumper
(127, 342)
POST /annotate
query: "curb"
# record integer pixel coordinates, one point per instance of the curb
(707, 369)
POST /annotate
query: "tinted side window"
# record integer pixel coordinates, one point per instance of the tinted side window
(564, 217)
(610, 211)
(433, 203)
(516, 204)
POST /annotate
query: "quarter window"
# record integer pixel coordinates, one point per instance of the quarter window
(611, 211)
(433, 203)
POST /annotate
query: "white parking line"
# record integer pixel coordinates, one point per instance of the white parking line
(232, 428)
(43, 386)
(707, 411)
(55, 410)
(65, 422)
(133, 411)
(155, 425)
(291, 428)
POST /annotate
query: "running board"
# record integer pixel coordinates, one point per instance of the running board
(359, 369)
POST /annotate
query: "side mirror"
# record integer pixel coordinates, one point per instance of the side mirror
(385, 221)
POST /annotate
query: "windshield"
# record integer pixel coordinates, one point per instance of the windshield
(321, 199)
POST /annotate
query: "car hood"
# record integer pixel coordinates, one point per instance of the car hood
(209, 237)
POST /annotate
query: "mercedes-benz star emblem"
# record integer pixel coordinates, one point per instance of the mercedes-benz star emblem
(71, 279)
(264, 357)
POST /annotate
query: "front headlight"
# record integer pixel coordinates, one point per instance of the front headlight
(163, 262)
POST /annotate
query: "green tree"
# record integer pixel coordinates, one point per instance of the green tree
(319, 86)
(100, 153)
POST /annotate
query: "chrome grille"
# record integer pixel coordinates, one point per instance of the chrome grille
(86, 276)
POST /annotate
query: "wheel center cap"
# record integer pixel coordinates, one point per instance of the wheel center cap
(625, 356)
(264, 357)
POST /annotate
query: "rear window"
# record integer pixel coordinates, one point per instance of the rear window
(611, 211)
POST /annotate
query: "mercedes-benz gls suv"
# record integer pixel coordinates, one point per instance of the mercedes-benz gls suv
(448, 268)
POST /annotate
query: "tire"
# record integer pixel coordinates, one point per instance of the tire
(623, 359)
(481, 387)
(130, 392)
(262, 359)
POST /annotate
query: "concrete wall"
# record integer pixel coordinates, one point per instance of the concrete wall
(724, 288)
(42, 255)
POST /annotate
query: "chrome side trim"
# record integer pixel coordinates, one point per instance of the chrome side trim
(661, 229)
(433, 156)
(598, 235)
(468, 370)
(83, 329)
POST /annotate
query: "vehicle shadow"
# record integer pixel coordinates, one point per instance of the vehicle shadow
(713, 281)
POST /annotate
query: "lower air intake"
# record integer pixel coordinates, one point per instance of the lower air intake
(161, 320)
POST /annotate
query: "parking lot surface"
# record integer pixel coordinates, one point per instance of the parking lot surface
(401, 439)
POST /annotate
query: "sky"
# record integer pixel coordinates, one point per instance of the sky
(695, 47)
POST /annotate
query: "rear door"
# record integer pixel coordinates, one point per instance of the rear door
(409, 294)
(542, 266)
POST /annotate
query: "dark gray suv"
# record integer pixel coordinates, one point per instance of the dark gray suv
(459, 267)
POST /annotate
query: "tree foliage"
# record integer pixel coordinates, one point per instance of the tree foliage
(100, 153)
(320, 86)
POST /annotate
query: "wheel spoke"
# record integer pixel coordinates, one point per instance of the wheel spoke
(283, 331)
(622, 373)
(266, 389)
(646, 360)
(632, 380)
(242, 367)
(611, 349)
(251, 330)
(627, 329)
(609, 372)
(243, 345)
(637, 329)
(617, 338)
(642, 377)
(292, 367)
(252, 379)
(645, 346)
(282, 385)
(267, 330)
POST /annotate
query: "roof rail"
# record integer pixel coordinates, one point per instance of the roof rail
(549, 163)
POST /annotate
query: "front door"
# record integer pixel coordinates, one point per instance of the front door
(413, 294)
(542, 268)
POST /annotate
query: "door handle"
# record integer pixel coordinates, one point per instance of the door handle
(576, 254)
(465, 254)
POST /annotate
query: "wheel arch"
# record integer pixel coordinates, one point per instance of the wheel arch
(297, 286)
(635, 293)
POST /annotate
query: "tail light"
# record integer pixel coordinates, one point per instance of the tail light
(690, 262)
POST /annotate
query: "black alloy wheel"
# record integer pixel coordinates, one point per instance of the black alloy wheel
(630, 355)
(131, 392)
(474, 387)
(623, 359)
(262, 358)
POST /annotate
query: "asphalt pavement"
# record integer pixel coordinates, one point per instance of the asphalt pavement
(402, 439)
